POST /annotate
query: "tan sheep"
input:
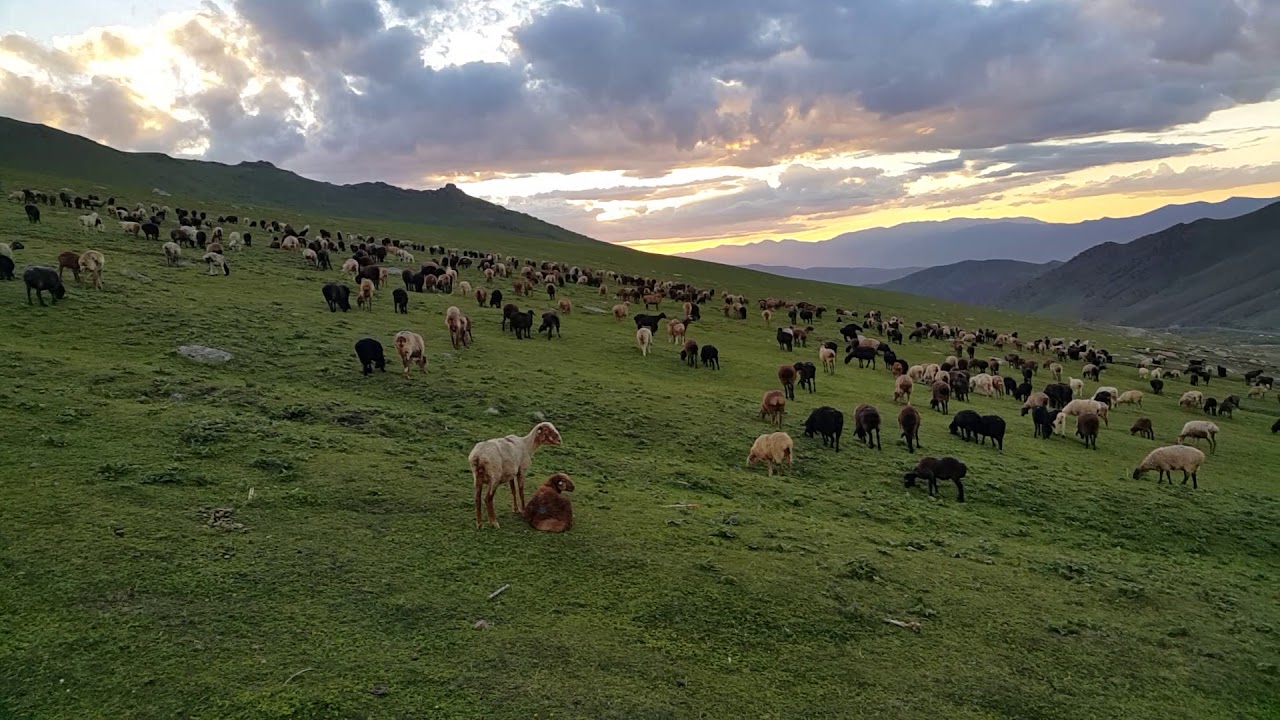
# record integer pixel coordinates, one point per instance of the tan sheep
(172, 254)
(1169, 458)
(902, 389)
(828, 358)
(505, 460)
(644, 340)
(1130, 397)
(675, 329)
(131, 228)
(1056, 370)
(1191, 399)
(1077, 386)
(412, 349)
(1200, 430)
(769, 449)
(310, 256)
(91, 263)
(566, 306)
(364, 294)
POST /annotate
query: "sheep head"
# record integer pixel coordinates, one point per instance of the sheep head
(559, 482)
(546, 434)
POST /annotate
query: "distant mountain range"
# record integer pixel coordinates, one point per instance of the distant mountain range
(840, 275)
(952, 241)
(977, 282)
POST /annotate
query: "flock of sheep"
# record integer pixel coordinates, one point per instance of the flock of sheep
(505, 461)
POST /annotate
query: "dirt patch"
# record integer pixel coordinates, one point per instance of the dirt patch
(222, 518)
(355, 417)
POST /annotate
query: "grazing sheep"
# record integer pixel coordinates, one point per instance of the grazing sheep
(1275, 427)
(649, 321)
(550, 323)
(90, 222)
(710, 357)
(351, 266)
(786, 339)
(1056, 370)
(69, 260)
(401, 300)
(1157, 386)
(33, 213)
(91, 263)
(364, 294)
(771, 448)
(172, 254)
(522, 324)
(644, 340)
(549, 510)
(808, 373)
(131, 228)
(1034, 400)
(1142, 426)
(772, 407)
(787, 376)
(866, 424)
(621, 310)
(902, 389)
(909, 421)
(505, 460)
(216, 262)
(370, 353)
(1111, 395)
(1201, 430)
(828, 422)
(1210, 406)
(41, 278)
(1044, 420)
(933, 469)
(411, 349)
(828, 358)
(1169, 458)
(969, 425)
(1229, 406)
(689, 353)
(566, 306)
(1144, 373)
(1087, 429)
(1077, 386)
(338, 296)
(675, 330)
(1191, 399)
(1080, 406)
(866, 356)
(1059, 395)
(940, 398)
(1130, 397)
(310, 257)
(6, 267)
(1258, 391)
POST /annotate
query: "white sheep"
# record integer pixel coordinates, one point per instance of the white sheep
(234, 242)
(1191, 399)
(1079, 407)
(981, 384)
(91, 263)
(351, 266)
(172, 253)
(771, 448)
(1200, 430)
(1157, 373)
(1169, 458)
(644, 340)
(506, 460)
(131, 228)
(216, 262)
(1130, 397)
(1077, 386)
(828, 358)
(310, 256)
(289, 243)
(90, 221)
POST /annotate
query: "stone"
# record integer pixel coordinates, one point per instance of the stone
(203, 354)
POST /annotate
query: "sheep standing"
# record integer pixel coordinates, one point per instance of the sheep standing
(216, 262)
(828, 358)
(771, 448)
(364, 294)
(866, 425)
(549, 510)
(940, 398)
(787, 376)
(1087, 429)
(172, 254)
(1169, 458)
(828, 422)
(909, 421)
(505, 460)
(934, 469)
(1143, 427)
(1201, 430)
(772, 407)
(411, 349)
(91, 263)
(902, 389)
(644, 340)
(1191, 399)
(1130, 397)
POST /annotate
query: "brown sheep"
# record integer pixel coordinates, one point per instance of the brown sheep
(621, 310)
(941, 396)
(902, 389)
(566, 306)
(787, 376)
(909, 421)
(1142, 426)
(549, 510)
(69, 260)
(364, 295)
(505, 460)
(772, 406)
(866, 425)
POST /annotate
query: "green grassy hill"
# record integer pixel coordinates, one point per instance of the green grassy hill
(280, 537)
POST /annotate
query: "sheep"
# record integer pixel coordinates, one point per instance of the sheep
(505, 460)
(69, 260)
(549, 510)
(1157, 386)
(941, 396)
(771, 448)
(1169, 458)
(866, 424)
(1275, 427)
(787, 376)
(566, 306)
(1087, 429)
(234, 242)
(364, 294)
(621, 310)
(6, 267)
(1229, 406)
(1112, 394)
(675, 330)
(808, 373)
(351, 266)
(828, 422)
(1144, 373)
(369, 351)
(1200, 430)
(41, 278)
(1142, 426)
(1056, 370)
(1191, 399)
(90, 222)
(689, 353)
(1210, 407)
(644, 340)
(1080, 406)
(400, 299)
(710, 357)
(933, 469)
(1077, 386)
(172, 254)
(866, 356)
(966, 425)
(909, 422)
(216, 262)
(411, 349)
(33, 213)
(1130, 397)
(310, 257)
(828, 358)
(91, 263)
(649, 321)
(772, 407)
(786, 339)
(1044, 420)
(902, 389)
(550, 323)
(337, 296)
(1258, 391)
(131, 228)
(522, 324)
(767, 316)
(1034, 400)
(1059, 395)
(1091, 371)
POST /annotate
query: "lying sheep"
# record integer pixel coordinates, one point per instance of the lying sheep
(411, 349)
(549, 510)
(771, 448)
(933, 469)
(505, 460)
(1200, 430)
(644, 340)
(828, 422)
(772, 407)
(1172, 457)
(1143, 427)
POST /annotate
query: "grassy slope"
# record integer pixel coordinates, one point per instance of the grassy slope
(1061, 590)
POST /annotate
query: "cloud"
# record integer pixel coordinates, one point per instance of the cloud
(1056, 158)
(1164, 179)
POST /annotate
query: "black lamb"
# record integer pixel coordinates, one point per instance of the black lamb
(41, 278)
(710, 356)
(828, 422)
(370, 353)
(401, 300)
(550, 323)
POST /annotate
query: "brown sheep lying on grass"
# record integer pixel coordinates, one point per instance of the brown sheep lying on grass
(549, 510)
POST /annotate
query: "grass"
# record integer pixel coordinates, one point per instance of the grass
(280, 537)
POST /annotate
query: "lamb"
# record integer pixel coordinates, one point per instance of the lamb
(412, 349)
(41, 278)
(172, 254)
(828, 358)
(644, 340)
(338, 296)
(621, 310)
(1169, 458)
(401, 300)
(772, 407)
(216, 262)
(1157, 386)
(909, 422)
(710, 357)
(941, 396)
(1142, 426)
(1044, 420)
(1077, 386)
(771, 448)
(550, 323)
(866, 423)
(808, 373)
(1087, 429)
(1200, 430)
(828, 422)
(92, 262)
(505, 460)
(787, 376)
(69, 260)
(549, 510)
(369, 351)
(566, 306)
(902, 389)
(1191, 399)
(1130, 397)
(364, 294)
(934, 469)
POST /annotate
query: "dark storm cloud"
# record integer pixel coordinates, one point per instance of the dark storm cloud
(1055, 158)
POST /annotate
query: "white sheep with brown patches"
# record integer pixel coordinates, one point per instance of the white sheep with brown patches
(505, 460)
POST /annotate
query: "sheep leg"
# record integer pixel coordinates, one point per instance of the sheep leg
(520, 486)
(479, 516)
(488, 504)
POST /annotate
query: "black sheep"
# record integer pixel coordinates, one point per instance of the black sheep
(786, 339)
(966, 424)
(41, 278)
(338, 296)
(550, 323)
(992, 426)
(934, 469)
(866, 422)
(522, 323)
(6, 267)
(1027, 374)
(1157, 386)
(1022, 392)
(1210, 405)
(1222, 372)
(710, 356)
(406, 275)
(960, 385)
(33, 214)
(1275, 427)
(1010, 386)
(850, 332)
(151, 231)
(828, 422)
(401, 300)
(649, 321)
(370, 353)
(1087, 429)
(694, 313)
(1059, 395)
(1044, 419)
(808, 373)
(866, 356)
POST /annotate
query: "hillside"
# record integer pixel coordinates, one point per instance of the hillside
(1209, 273)
(952, 241)
(858, 276)
(45, 151)
(977, 282)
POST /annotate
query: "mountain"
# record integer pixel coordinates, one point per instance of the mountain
(45, 151)
(977, 282)
(951, 241)
(864, 277)
(1208, 273)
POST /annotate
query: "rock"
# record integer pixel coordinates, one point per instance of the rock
(203, 354)
(481, 624)
(594, 309)
(493, 411)
(379, 690)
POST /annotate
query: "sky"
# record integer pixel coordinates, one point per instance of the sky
(675, 125)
